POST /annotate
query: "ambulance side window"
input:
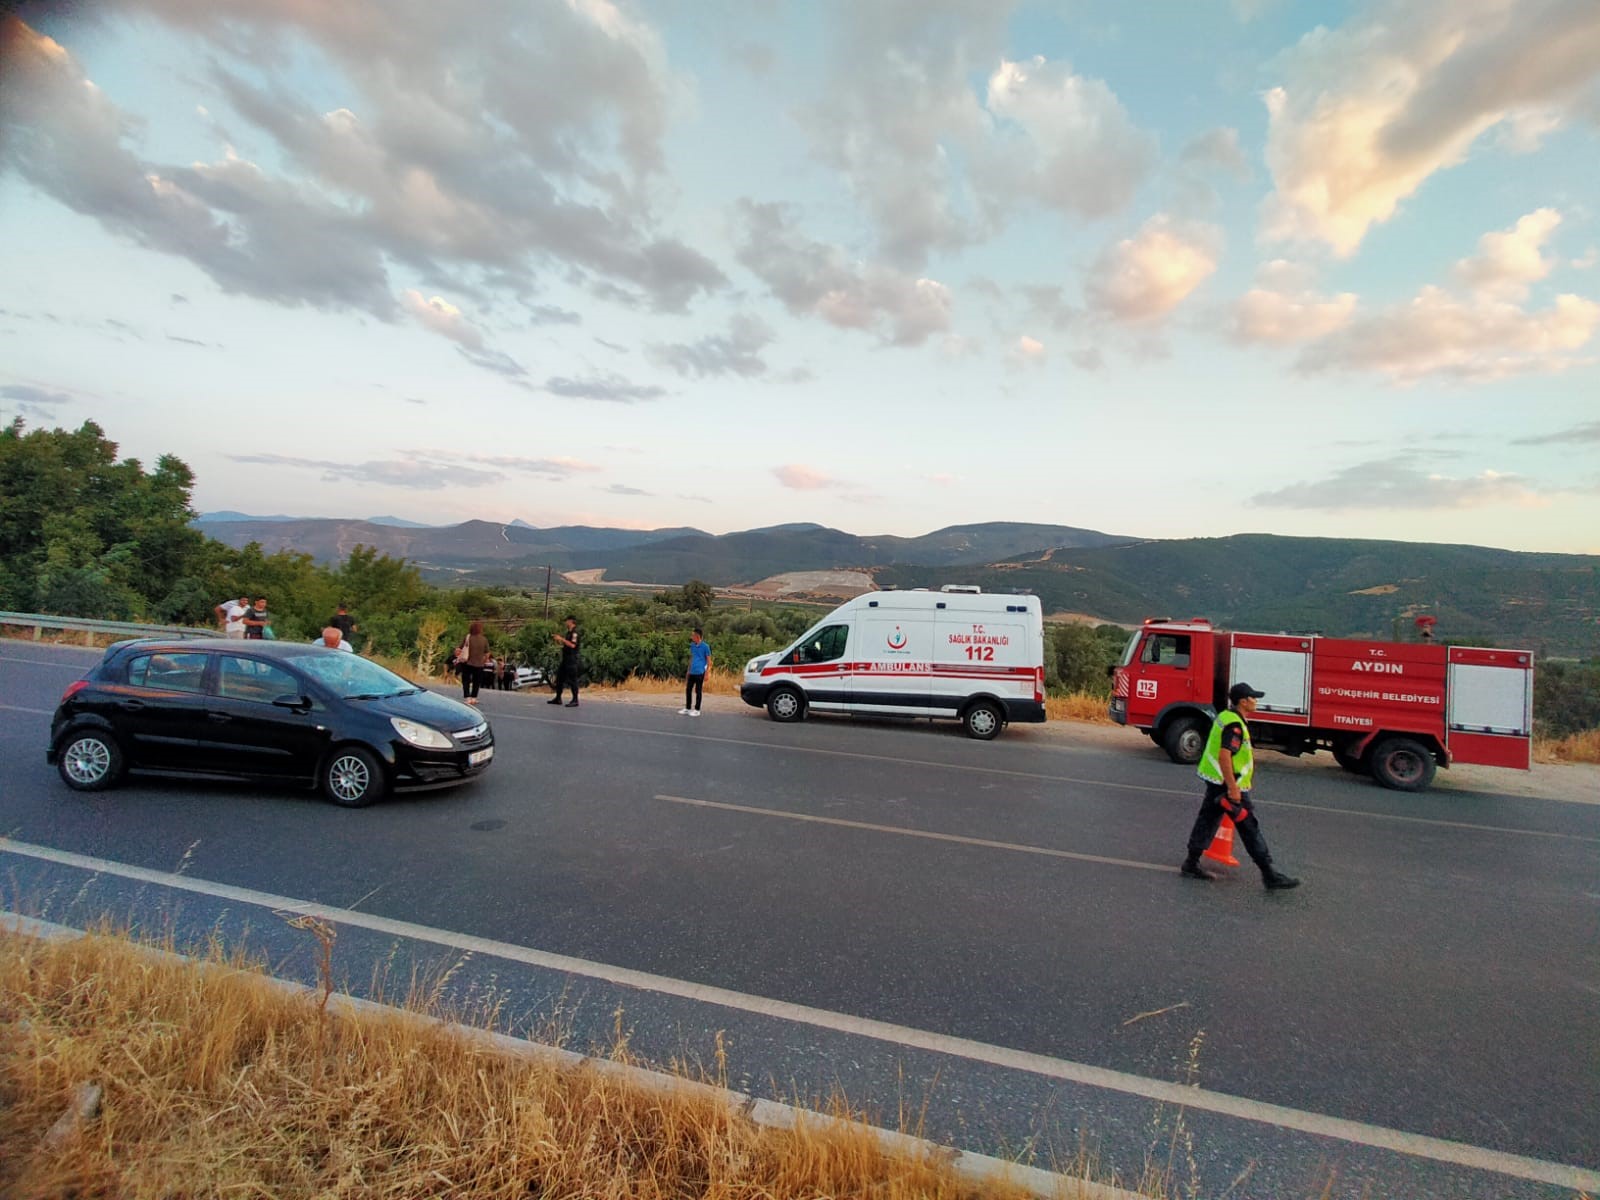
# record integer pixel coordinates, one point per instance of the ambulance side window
(825, 645)
(1166, 649)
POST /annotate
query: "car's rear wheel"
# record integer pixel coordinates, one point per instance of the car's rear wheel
(983, 721)
(352, 778)
(1404, 764)
(90, 761)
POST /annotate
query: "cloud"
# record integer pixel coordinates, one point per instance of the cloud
(606, 385)
(549, 468)
(408, 473)
(493, 152)
(815, 279)
(1027, 351)
(803, 478)
(1144, 277)
(1089, 359)
(1219, 148)
(1368, 112)
(1471, 339)
(937, 165)
(493, 360)
(442, 317)
(622, 489)
(35, 402)
(1509, 261)
(1282, 308)
(1077, 152)
(1396, 483)
(188, 341)
(735, 353)
(1580, 435)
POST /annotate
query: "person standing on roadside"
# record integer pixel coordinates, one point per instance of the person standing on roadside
(230, 613)
(343, 622)
(1228, 768)
(257, 621)
(567, 672)
(695, 681)
(477, 648)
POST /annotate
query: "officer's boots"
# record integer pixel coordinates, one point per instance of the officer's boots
(1191, 869)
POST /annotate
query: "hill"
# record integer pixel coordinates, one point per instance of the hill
(1339, 586)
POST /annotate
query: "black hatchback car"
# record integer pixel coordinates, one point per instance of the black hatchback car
(262, 710)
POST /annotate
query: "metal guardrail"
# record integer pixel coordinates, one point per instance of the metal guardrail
(39, 622)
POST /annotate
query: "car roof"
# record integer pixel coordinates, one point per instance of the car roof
(261, 647)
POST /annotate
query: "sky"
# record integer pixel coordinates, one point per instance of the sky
(1184, 268)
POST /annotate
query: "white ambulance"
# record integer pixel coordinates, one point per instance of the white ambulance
(957, 652)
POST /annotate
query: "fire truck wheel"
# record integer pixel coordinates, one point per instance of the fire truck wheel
(983, 721)
(1350, 760)
(1403, 764)
(1184, 740)
(785, 705)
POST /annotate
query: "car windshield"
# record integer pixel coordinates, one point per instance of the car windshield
(351, 676)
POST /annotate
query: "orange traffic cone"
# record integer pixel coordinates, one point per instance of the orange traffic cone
(1221, 848)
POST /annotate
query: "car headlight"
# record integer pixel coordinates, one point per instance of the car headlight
(753, 667)
(420, 735)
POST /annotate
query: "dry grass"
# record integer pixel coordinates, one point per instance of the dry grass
(1575, 748)
(217, 1082)
(1078, 706)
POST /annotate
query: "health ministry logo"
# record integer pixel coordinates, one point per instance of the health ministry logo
(897, 639)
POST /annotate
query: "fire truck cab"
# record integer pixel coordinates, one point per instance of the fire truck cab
(1394, 710)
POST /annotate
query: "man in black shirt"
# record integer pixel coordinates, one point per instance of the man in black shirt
(343, 622)
(567, 672)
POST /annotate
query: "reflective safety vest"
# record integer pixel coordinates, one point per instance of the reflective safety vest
(1244, 760)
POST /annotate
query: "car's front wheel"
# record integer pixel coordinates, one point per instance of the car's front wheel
(89, 761)
(352, 778)
(785, 704)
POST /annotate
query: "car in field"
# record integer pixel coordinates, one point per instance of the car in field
(527, 677)
(262, 710)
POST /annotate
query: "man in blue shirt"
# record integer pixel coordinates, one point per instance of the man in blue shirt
(695, 680)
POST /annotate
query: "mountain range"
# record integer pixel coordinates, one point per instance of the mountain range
(1549, 603)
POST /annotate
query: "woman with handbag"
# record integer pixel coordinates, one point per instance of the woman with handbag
(473, 652)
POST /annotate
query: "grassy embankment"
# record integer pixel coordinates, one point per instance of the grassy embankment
(214, 1081)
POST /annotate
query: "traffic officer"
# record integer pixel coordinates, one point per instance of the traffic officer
(1228, 766)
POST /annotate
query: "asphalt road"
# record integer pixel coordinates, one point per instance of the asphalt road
(1437, 975)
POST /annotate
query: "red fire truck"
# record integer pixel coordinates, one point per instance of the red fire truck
(1394, 710)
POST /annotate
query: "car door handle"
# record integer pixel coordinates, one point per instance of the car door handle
(131, 704)
(218, 717)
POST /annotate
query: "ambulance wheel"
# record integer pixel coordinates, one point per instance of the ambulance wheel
(1184, 739)
(983, 721)
(785, 705)
(1403, 764)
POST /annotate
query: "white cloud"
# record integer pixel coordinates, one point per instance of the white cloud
(934, 163)
(1079, 152)
(443, 318)
(1506, 263)
(1472, 339)
(815, 279)
(472, 152)
(1144, 277)
(738, 352)
(1029, 347)
(1220, 148)
(804, 478)
(1369, 111)
(1282, 308)
(1396, 483)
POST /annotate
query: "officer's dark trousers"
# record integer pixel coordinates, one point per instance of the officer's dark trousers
(1210, 817)
(567, 677)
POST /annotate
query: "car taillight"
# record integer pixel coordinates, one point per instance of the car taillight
(1038, 684)
(73, 689)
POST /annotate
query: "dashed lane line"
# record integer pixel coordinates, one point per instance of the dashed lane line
(904, 831)
(1360, 1133)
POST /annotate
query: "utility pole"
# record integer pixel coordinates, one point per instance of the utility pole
(547, 591)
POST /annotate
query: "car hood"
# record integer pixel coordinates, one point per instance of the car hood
(429, 709)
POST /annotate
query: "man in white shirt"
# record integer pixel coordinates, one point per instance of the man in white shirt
(231, 614)
(333, 639)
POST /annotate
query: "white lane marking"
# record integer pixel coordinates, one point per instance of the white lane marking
(904, 831)
(44, 712)
(1192, 796)
(1360, 1133)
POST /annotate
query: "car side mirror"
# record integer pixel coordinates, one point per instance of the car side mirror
(293, 703)
(1111, 670)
